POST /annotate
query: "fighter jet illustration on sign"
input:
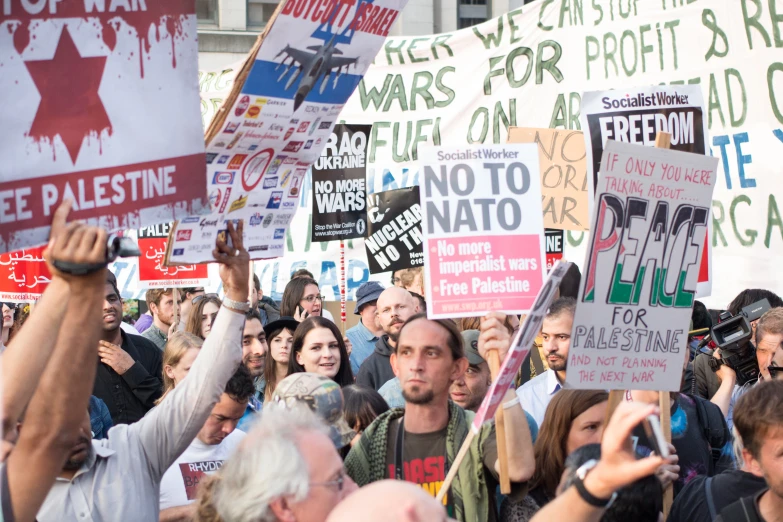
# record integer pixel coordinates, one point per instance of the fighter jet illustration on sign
(312, 65)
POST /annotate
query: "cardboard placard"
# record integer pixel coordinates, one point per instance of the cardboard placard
(641, 269)
(152, 271)
(563, 175)
(394, 240)
(23, 275)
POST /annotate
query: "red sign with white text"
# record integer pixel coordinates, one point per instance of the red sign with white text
(98, 108)
(152, 273)
(23, 275)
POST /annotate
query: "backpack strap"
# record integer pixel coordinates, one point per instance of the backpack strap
(740, 511)
(710, 500)
(713, 426)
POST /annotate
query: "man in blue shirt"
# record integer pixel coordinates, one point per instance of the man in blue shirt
(364, 335)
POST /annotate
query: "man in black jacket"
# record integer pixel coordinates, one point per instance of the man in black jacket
(130, 368)
(395, 306)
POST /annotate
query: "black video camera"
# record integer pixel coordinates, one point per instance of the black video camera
(733, 336)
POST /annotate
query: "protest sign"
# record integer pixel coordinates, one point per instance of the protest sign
(23, 275)
(554, 246)
(483, 229)
(563, 175)
(340, 193)
(639, 282)
(394, 230)
(97, 107)
(153, 273)
(277, 118)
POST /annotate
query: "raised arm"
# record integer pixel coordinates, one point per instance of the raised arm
(166, 431)
(60, 401)
(22, 367)
(519, 443)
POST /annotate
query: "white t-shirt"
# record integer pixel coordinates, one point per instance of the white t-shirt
(179, 485)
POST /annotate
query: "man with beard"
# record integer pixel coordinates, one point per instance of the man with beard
(254, 348)
(395, 306)
(119, 478)
(420, 442)
(535, 394)
(130, 367)
(162, 303)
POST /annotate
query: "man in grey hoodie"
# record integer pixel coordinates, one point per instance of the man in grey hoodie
(395, 306)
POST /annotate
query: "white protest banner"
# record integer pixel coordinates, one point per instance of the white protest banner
(483, 229)
(283, 107)
(520, 346)
(529, 67)
(639, 283)
(99, 106)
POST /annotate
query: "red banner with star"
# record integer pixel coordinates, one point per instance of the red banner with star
(100, 106)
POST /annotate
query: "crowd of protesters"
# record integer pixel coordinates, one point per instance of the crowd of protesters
(241, 409)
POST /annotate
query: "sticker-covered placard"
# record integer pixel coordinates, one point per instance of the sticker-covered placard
(641, 268)
(483, 229)
(394, 239)
(339, 185)
(277, 121)
(98, 107)
(153, 273)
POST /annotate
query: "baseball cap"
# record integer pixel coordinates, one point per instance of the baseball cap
(367, 293)
(470, 338)
(323, 396)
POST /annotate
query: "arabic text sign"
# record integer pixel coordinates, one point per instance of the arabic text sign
(23, 275)
(97, 111)
(152, 272)
(643, 257)
(483, 229)
(520, 346)
(563, 175)
(339, 185)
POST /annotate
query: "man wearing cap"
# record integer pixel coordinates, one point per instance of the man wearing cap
(365, 335)
(469, 390)
(214, 444)
(130, 367)
(323, 396)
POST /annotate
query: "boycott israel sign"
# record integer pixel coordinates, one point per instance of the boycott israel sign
(563, 175)
(302, 70)
(394, 239)
(483, 229)
(153, 273)
(340, 194)
(639, 279)
(98, 107)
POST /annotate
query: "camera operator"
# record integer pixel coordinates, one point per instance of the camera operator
(769, 339)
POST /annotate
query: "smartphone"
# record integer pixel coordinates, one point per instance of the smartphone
(300, 309)
(652, 428)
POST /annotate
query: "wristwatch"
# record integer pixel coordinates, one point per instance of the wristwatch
(588, 497)
(239, 306)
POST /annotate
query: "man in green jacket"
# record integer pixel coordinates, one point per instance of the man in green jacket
(420, 442)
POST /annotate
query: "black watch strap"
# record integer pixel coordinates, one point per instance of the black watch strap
(78, 269)
(590, 498)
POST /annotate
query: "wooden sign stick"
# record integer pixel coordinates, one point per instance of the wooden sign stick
(500, 429)
(663, 140)
(455, 465)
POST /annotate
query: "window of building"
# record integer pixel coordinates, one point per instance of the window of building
(462, 23)
(259, 12)
(206, 11)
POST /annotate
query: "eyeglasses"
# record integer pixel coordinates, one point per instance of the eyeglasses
(311, 298)
(203, 296)
(339, 482)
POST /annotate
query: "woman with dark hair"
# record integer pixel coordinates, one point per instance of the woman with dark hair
(319, 348)
(361, 406)
(301, 299)
(202, 314)
(573, 418)
(280, 338)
